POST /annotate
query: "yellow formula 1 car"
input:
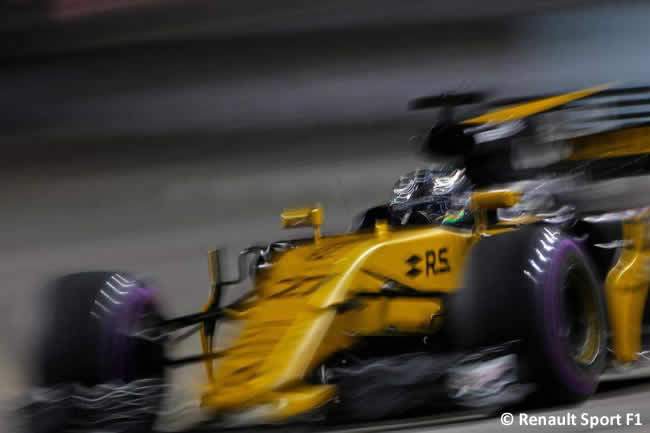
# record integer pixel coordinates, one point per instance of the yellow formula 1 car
(521, 275)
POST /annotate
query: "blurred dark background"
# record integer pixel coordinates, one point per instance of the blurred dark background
(138, 134)
(113, 70)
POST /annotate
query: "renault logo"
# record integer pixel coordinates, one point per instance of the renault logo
(413, 262)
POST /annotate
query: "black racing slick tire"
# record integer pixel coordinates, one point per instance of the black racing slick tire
(96, 358)
(535, 285)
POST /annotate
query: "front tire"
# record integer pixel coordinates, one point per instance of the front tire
(93, 353)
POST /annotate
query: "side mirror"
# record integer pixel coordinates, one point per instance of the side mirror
(483, 201)
(304, 217)
(494, 199)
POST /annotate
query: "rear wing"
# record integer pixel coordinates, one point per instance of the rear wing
(600, 123)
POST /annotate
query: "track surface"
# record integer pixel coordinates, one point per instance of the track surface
(612, 399)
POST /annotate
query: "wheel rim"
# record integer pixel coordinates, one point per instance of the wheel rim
(582, 323)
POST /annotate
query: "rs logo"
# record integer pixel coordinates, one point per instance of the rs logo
(434, 263)
(441, 266)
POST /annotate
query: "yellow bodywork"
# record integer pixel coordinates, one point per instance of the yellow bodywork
(322, 296)
(612, 144)
(627, 288)
(528, 109)
(300, 316)
(608, 144)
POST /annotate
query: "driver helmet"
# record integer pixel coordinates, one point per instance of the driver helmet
(427, 194)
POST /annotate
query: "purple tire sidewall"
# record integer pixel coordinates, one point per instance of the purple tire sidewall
(552, 316)
(115, 347)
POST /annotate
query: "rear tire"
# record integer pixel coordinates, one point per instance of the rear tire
(90, 348)
(536, 285)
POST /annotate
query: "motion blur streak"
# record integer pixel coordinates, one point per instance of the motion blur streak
(320, 78)
(140, 134)
(65, 9)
